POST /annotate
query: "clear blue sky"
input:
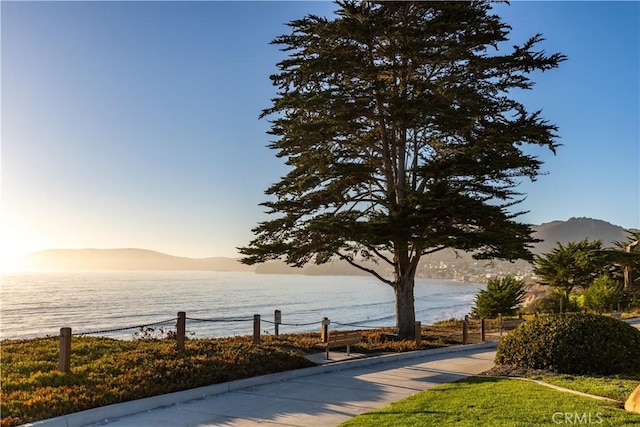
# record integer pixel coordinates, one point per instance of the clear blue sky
(136, 124)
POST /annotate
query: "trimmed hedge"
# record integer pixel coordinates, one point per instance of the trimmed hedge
(573, 343)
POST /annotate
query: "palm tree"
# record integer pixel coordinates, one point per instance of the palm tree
(628, 256)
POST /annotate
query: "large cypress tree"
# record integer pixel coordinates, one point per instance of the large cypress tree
(402, 140)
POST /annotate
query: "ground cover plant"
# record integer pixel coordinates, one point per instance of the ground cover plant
(499, 402)
(106, 371)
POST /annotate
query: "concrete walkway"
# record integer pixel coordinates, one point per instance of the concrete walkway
(320, 396)
(324, 395)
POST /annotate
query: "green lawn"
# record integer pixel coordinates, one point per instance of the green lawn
(617, 388)
(490, 401)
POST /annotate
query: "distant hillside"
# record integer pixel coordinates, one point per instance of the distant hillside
(124, 259)
(576, 229)
(443, 264)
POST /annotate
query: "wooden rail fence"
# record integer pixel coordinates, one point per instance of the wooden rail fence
(181, 320)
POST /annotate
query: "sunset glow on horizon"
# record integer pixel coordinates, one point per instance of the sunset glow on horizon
(135, 124)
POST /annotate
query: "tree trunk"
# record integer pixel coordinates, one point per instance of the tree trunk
(405, 308)
(628, 279)
(627, 276)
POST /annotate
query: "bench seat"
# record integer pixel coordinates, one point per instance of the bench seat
(339, 339)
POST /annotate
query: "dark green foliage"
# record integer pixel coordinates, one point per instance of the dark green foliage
(575, 264)
(502, 296)
(627, 258)
(604, 294)
(631, 297)
(396, 122)
(573, 343)
(556, 301)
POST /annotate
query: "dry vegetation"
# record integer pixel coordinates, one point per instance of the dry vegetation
(107, 371)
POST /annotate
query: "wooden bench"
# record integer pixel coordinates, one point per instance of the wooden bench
(341, 339)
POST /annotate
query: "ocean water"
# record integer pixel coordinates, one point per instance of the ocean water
(216, 304)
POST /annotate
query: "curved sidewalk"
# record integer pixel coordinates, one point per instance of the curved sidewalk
(319, 396)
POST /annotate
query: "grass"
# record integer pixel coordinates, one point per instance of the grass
(490, 401)
(107, 371)
(614, 387)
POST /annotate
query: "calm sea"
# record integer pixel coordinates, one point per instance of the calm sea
(33, 305)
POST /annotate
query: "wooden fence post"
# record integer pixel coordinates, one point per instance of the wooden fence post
(277, 319)
(324, 332)
(256, 329)
(465, 330)
(181, 329)
(482, 330)
(64, 361)
(418, 334)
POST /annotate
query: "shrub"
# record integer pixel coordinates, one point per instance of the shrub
(631, 298)
(557, 301)
(573, 343)
(502, 296)
(603, 295)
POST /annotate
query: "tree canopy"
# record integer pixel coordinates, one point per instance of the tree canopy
(503, 295)
(402, 139)
(627, 257)
(575, 264)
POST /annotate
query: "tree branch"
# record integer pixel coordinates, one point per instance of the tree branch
(379, 255)
(434, 250)
(365, 269)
